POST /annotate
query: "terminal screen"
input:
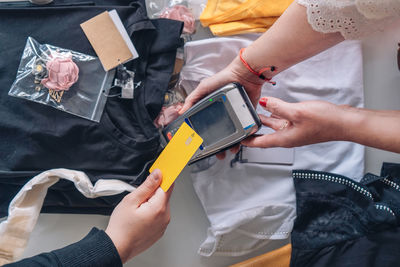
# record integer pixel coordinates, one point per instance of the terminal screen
(213, 123)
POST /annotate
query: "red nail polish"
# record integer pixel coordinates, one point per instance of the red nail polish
(263, 102)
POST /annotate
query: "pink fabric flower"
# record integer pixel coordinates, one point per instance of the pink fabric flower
(62, 73)
(167, 115)
(181, 13)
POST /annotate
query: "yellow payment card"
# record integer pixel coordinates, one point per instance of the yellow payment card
(177, 154)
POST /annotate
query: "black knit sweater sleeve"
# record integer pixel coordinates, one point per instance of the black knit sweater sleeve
(95, 249)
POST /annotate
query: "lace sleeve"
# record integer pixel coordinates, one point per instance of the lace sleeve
(352, 18)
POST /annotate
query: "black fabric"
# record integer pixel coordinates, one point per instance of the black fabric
(95, 249)
(341, 222)
(35, 137)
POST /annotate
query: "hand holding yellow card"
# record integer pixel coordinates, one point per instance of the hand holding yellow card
(177, 154)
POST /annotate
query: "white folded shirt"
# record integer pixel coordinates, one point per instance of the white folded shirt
(250, 204)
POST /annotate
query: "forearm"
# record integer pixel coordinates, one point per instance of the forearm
(379, 129)
(290, 40)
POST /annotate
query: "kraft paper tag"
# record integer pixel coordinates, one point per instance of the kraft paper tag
(109, 39)
(177, 154)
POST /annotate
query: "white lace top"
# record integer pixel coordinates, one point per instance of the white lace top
(352, 18)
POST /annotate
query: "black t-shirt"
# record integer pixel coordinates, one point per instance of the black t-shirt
(36, 137)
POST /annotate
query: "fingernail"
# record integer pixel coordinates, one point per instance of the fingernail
(155, 175)
(263, 102)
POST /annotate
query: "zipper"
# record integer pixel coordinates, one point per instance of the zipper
(385, 208)
(390, 183)
(332, 178)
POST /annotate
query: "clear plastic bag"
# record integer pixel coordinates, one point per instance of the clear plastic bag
(182, 10)
(173, 99)
(67, 80)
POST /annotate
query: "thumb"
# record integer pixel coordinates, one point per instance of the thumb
(278, 107)
(147, 189)
(201, 90)
(205, 87)
(276, 139)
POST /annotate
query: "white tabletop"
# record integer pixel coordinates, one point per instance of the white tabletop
(178, 247)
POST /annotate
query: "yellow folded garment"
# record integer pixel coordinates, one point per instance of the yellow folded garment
(242, 26)
(242, 12)
(276, 258)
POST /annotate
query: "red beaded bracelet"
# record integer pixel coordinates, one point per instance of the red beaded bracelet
(260, 73)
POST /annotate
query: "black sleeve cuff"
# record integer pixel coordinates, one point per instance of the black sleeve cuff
(95, 249)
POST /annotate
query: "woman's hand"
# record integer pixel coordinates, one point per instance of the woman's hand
(299, 124)
(141, 218)
(310, 122)
(234, 72)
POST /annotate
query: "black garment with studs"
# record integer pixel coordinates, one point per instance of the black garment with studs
(341, 222)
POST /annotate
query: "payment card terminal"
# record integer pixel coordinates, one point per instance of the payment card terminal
(222, 119)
